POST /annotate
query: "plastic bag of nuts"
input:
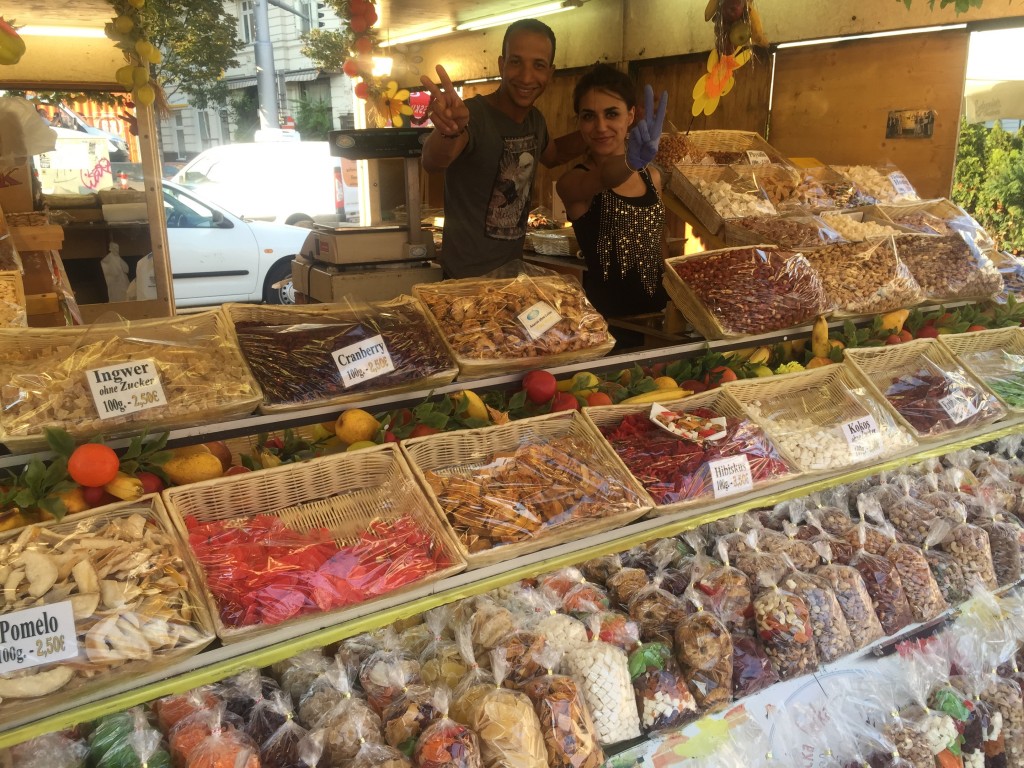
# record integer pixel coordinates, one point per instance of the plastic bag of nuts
(865, 277)
(768, 288)
(949, 576)
(795, 233)
(910, 517)
(832, 637)
(950, 268)
(885, 183)
(799, 552)
(923, 593)
(969, 545)
(656, 612)
(886, 589)
(703, 648)
(854, 600)
(1004, 543)
(752, 670)
(726, 591)
(662, 697)
(784, 627)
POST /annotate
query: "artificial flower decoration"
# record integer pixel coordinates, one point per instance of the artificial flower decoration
(395, 106)
(718, 81)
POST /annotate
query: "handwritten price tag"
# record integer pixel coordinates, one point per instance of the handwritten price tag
(363, 361)
(757, 157)
(118, 390)
(37, 636)
(730, 476)
(863, 438)
(539, 319)
(901, 184)
(958, 406)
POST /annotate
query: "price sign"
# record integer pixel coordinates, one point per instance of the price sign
(901, 184)
(862, 437)
(757, 157)
(124, 388)
(37, 636)
(958, 406)
(363, 361)
(730, 476)
(539, 319)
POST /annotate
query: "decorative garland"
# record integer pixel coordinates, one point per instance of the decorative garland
(351, 50)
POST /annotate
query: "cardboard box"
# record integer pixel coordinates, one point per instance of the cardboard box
(328, 285)
(362, 245)
(16, 188)
(301, 267)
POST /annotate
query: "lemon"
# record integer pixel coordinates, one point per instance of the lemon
(585, 383)
(123, 25)
(355, 426)
(145, 95)
(360, 445)
(762, 370)
(124, 76)
(144, 48)
(140, 75)
(666, 382)
(474, 406)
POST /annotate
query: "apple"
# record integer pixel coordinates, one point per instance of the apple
(150, 483)
(421, 430)
(893, 339)
(540, 386)
(927, 332)
(565, 401)
(97, 497)
(236, 470)
(390, 437)
(220, 449)
(976, 327)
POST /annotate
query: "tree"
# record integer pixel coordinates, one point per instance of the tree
(199, 40)
(245, 108)
(313, 119)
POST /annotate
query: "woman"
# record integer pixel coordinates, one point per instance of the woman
(614, 204)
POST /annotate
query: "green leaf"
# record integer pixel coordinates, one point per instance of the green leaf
(160, 457)
(250, 462)
(134, 449)
(60, 442)
(25, 499)
(56, 472)
(54, 506)
(34, 474)
(474, 423)
(435, 419)
(517, 401)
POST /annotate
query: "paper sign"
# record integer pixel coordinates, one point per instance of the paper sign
(757, 157)
(695, 429)
(362, 361)
(730, 476)
(958, 406)
(125, 388)
(539, 319)
(862, 437)
(901, 184)
(35, 636)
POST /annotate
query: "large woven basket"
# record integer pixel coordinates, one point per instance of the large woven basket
(1009, 340)
(824, 399)
(943, 209)
(202, 371)
(717, 400)
(700, 143)
(495, 363)
(460, 453)
(684, 184)
(736, 233)
(869, 214)
(325, 313)
(553, 242)
(879, 367)
(342, 493)
(95, 676)
(12, 300)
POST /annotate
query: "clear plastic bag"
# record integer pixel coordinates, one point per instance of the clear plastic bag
(440, 661)
(752, 670)
(267, 716)
(126, 740)
(866, 277)
(520, 651)
(1002, 371)
(795, 232)
(191, 731)
(731, 194)
(346, 726)
(615, 628)
(407, 715)
(726, 591)
(923, 593)
(662, 697)
(969, 545)
(886, 589)
(297, 673)
(377, 678)
(789, 188)
(800, 553)
(832, 638)
(446, 743)
(950, 268)
(602, 671)
(768, 288)
(854, 601)
(52, 750)
(703, 648)
(600, 569)
(377, 756)
(171, 710)
(489, 622)
(886, 184)
(625, 583)
(328, 689)
(1004, 544)
(656, 611)
(281, 748)
(949, 576)
(482, 318)
(245, 691)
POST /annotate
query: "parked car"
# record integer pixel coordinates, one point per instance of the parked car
(283, 181)
(217, 256)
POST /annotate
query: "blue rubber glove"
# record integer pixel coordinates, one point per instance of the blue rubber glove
(642, 144)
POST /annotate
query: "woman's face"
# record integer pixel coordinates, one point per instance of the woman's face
(604, 121)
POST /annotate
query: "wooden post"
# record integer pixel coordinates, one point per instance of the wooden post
(152, 174)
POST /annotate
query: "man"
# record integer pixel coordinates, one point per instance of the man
(488, 148)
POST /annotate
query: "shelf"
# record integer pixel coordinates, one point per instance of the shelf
(224, 661)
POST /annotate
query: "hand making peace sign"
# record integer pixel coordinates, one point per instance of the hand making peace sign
(642, 145)
(447, 110)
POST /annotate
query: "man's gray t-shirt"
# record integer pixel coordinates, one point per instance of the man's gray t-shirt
(487, 190)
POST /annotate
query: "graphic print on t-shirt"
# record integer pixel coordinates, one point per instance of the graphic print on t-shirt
(506, 211)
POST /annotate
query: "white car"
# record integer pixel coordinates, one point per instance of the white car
(218, 257)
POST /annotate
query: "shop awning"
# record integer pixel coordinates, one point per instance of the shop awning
(234, 83)
(301, 75)
(986, 100)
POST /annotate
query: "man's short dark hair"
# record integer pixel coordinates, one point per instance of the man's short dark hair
(529, 25)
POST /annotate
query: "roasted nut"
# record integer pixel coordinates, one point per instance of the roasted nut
(948, 268)
(866, 277)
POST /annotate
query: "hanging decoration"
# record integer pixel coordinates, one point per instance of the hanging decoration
(127, 30)
(738, 29)
(351, 50)
(12, 47)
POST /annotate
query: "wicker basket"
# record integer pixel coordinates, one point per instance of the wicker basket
(735, 233)
(12, 300)
(701, 143)
(879, 367)
(98, 675)
(460, 453)
(717, 400)
(942, 209)
(476, 367)
(203, 375)
(867, 214)
(696, 311)
(554, 242)
(1008, 340)
(320, 313)
(342, 493)
(801, 407)
(683, 183)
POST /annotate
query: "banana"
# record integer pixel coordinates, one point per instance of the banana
(760, 356)
(757, 35)
(657, 395)
(710, 10)
(819, 338)
(124, 487)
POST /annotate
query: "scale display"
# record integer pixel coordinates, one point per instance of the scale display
(376, 143)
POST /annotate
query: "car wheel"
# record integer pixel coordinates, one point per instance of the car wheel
(286, 293)
(299, 220)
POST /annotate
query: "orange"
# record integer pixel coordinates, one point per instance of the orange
(93, 465)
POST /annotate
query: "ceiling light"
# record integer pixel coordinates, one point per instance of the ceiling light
(413, 37)
(382, 66)
(545, 9)
(870, 35)
(41, 31)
